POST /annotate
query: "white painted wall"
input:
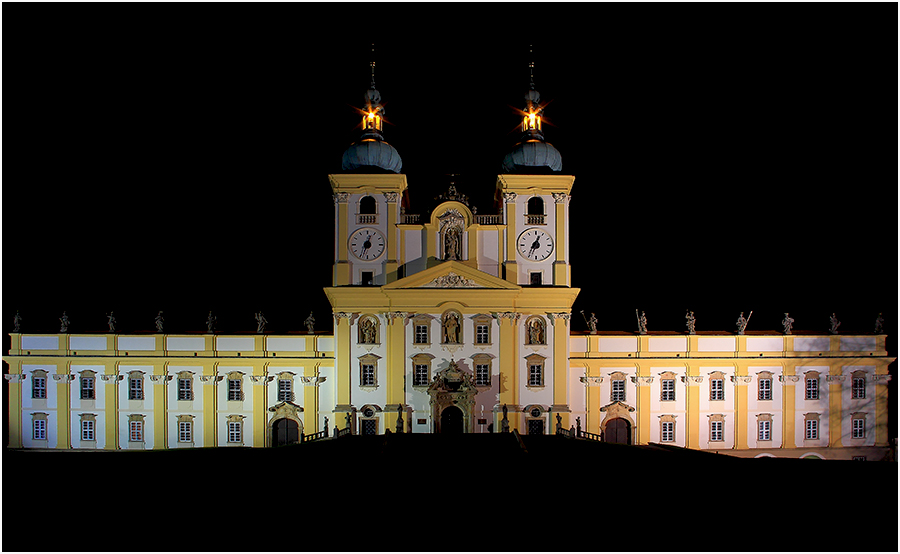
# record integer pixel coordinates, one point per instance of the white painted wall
(34, 342)
(136, 343)
(87, 343)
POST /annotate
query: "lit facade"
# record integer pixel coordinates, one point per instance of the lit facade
(452, 322)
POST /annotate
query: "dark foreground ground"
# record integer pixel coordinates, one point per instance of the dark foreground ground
(431, 492)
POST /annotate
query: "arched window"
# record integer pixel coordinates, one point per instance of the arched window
(535, 205)
(367, 205)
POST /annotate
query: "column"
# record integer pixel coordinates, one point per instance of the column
(560, 265)
(112, 408)
(835, 409)
(881, 407)
(560, 368)
(692, 381)
(209, 379)
(642, 381)
(63, 415)
(508, 366)
(395, 335)
(592, 381)
(341, 265)
(342, 344)
(15, 379)
(159, 379)
(740, 407)
(258, 382)
(391, 263)
(788, 409)
(511, 272)
(310, 380)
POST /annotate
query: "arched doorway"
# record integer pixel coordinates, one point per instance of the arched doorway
(285, 431)
(452, 421)
(618, 431)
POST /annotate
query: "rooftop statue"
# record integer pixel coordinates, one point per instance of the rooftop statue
(742, 322)
(17, 322)
(260, 322)
(64, 323)
(642, 322)
(591, 322)
(879, 324)
(210, 322)
(834, 324)
(159, 322)
(111, 321)
(310, 323)
(788, 322)
(691, 323)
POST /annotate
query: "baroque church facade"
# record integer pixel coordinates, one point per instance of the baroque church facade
(452, 322)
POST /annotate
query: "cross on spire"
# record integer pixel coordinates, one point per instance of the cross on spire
(372, 65)
(531, 67)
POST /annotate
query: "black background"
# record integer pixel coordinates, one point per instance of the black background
(728, 158)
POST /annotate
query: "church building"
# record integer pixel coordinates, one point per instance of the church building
(453, 322)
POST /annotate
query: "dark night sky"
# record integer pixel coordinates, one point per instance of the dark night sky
(727, 158)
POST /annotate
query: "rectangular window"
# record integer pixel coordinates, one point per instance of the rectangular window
(668, 431)
(668, 389)
(135, 389)
(535, 426)
(420, 377)
(481, 334)
(765, 389)
(812, 388)
(368, 375)
(421, 334)
(39, 387)
(765, 430)
(483, 374)
(618, 390)
(859, 387)
(234, 431)
(87, 388)
(859, 428)
(715, 431)
(285, 392)
(39, 429)
(234, 389)
(136, 431)
(184, 431)
(370, 427)
(535, 375)
(717, 389)
(537, 278)
(184, 390)
(812, 429)
(87, 430)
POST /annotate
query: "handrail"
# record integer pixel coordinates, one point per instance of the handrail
(314, 436)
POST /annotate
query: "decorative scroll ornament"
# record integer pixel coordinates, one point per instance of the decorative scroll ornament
(114, 378)
(341, 197)
(692, 379)
(834, 378)
(391, 316)
(560, 197)
(452, 281)
(160, 379)
(566, 316)
(509, 197)
(64, 377)
(740, 379)
(15, 377)
(513, 317)
(641, 381)
(881, 378)
(312, 380)
(591, 381)
(211, 379)
(392, 196)
(339, 315)
(789, 378)
(260, 379)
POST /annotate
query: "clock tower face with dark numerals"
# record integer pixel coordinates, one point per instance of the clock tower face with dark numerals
(535, 245)
(367, 244)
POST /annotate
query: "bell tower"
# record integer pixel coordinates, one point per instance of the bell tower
(367, 196)
(535, 203)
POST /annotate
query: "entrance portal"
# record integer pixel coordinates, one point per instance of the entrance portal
(618, 431)
(285, 431)
(452, 421)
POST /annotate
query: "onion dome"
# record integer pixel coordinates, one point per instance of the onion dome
(371, 154)
(532, 154)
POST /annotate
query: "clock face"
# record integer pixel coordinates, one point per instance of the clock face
(535, 245)
(367, 244)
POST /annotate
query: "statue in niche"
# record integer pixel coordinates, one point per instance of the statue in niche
(535, 332)
(310, 323)
(452, 244)
(159, 320)
(788, 323)
(261, 322)
(111, 322)
(834, 324)
(451, 328)
(691, 323)
(879, 324)
(17, 322)
(742, 322)
(367, 331)
(210, 322)
(64, 323)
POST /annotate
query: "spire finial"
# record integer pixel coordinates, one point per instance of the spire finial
(531, 66)
(372, 65)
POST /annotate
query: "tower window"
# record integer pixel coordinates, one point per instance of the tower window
(535, 205)
(368, 278)
(537, 278)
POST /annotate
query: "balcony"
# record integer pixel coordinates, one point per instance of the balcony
(531, 219)
(366, 219)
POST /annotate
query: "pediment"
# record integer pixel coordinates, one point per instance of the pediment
(617, 406)
(451, 275)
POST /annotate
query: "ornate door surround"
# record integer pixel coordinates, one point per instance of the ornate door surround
(453, 387)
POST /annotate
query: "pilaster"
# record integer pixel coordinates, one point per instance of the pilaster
(310, 399)
(396, 357)
(509, 381)
(112, 406)
(561, 265)
(642, 382)
(692, 381)
(341, 264)
(14, 412)
(789, 403)
(259, 382)
(391, 264)
(160, 379)
(63, 413)
(881, 408)
(835, 382)
(511, 272)
(208, 380)
(560, 366)
(740, 380)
